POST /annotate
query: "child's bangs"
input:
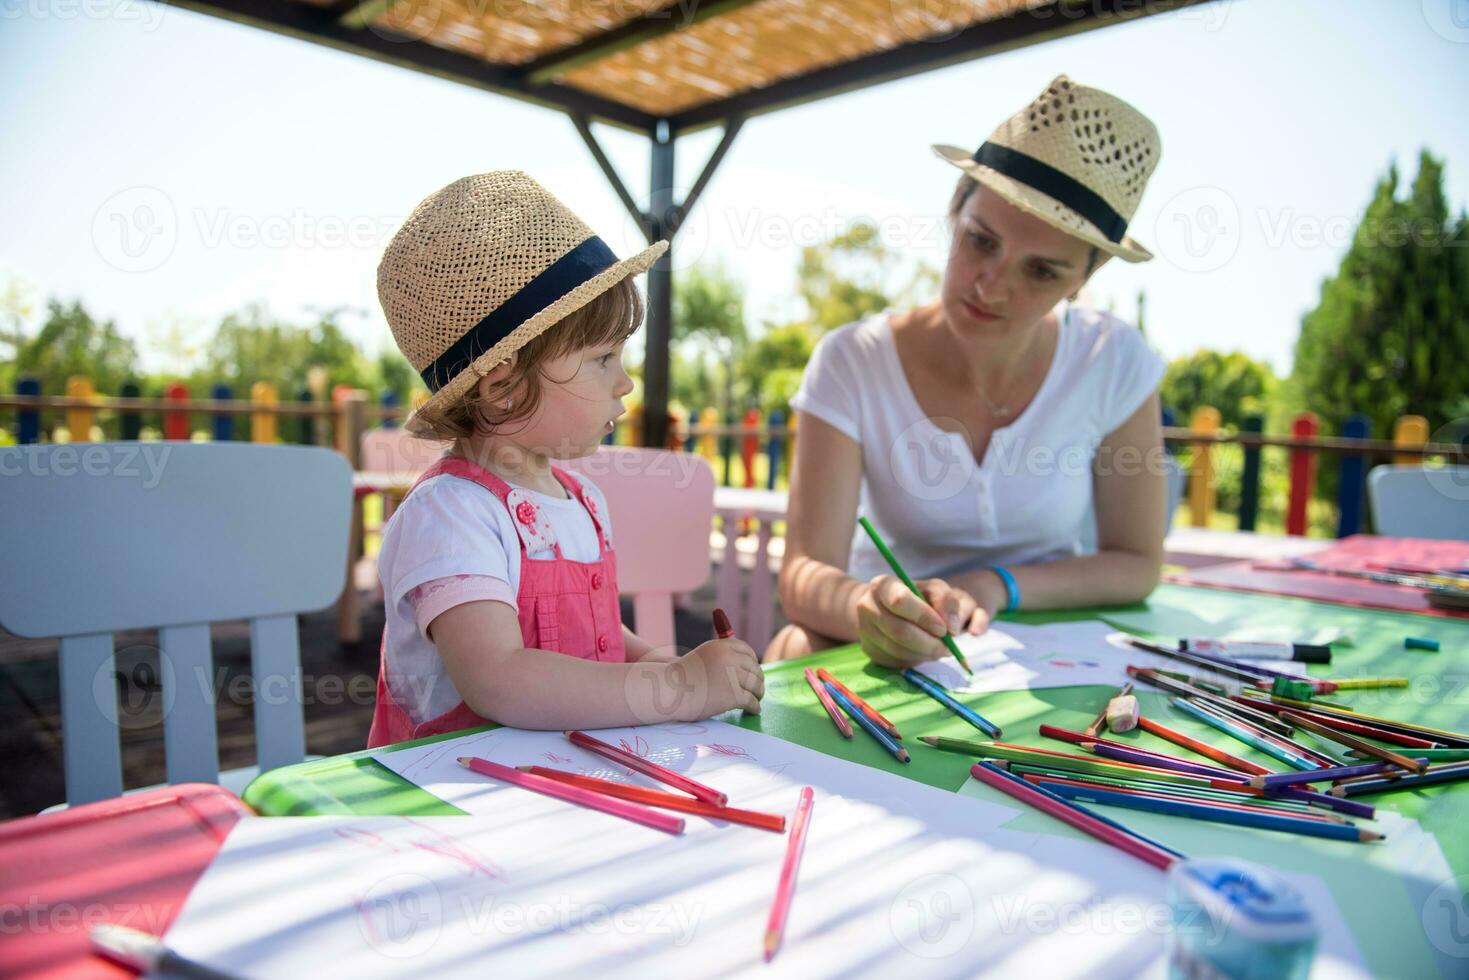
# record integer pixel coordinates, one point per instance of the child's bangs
(606, 321)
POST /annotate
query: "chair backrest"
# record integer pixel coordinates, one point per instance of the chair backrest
(662, 506)
(101, 537)
(1420, 501)
(395, 452)
(1176, 478)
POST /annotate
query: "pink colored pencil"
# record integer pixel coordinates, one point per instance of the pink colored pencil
(843, 726)
(1086, 823)
(575, 794)
(795, 844)
(650, 769)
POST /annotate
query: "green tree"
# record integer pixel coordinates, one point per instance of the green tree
(709, 323)
(856, 274)
(1233, 383)
(71, 342)
(1391, 331)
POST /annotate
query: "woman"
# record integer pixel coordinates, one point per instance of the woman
(980, 432)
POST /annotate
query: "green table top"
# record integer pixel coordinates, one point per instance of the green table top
(1439, 696)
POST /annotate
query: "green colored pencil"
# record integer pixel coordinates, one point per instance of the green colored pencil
(892, 561)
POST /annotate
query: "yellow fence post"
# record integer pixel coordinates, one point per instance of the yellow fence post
(1201, 488)
(708, 443)
(79, 420)
(1410, 430)
(263, 427)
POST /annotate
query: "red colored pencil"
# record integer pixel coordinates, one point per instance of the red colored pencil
(1021, 790)
(1202, 748)
(1346, 725)
(652, 770)
(575, 794)
(1078, 738)
(862, 706)
(843, 726)
(722, 627)
(658, 798)
(795, 845)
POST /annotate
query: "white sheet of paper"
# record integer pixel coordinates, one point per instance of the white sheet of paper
(1016, 657)
(898, 878)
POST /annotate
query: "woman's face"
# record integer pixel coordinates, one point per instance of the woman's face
(1007, 269)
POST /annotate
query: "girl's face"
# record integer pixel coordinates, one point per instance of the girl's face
(1007, 269)
(581, 395)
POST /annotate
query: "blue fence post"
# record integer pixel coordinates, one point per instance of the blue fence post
(130, 424)
(224, 422)
(1353, 478)
(390, 400)
(28, 420)
(1249, 479)
(775, 448)
(1169, 420)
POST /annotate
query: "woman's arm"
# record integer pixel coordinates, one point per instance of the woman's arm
(1130, 490)
(499, 678)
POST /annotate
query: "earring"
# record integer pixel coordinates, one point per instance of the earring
(508, 403)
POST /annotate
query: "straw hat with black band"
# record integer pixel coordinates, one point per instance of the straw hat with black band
(1077, 158)
(481, 268)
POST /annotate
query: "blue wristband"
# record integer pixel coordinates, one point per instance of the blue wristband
(1012, 590)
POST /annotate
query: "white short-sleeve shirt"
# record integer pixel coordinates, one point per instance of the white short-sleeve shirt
(449, 526)
(942, 512)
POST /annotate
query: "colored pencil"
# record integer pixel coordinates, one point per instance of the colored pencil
(1344, 724)
(1063, 760)
(825, 675)
(1244, 804)
(1229, 727)
(892, 561)
(868, 725)
(1202, 748)
(1240, 670)
(1184, 689)
(1452, 739)
(785, 889)
(936, 691)
(575, 794)
(1217, 814)
(1109, 751)
(1047, 802)
(1364, 683)
(1227, 709)
(842, 724)
(658, 798)
(1160, 760)
(1100, 721)
(1353, 742)
(1432, 755)
(1309, 797)
(1436, 774)
(1003, 768)
(722, 626)
(652, 770)
(1333, 774)
(1245, 795)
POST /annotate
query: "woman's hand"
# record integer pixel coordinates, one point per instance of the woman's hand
(898, 629)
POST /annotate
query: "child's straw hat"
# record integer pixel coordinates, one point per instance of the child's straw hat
(481, 268)
(1077, 158)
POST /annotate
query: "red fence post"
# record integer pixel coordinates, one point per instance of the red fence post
(1302, 474)
(176, 421)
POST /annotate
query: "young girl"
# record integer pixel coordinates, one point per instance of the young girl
(498, 568)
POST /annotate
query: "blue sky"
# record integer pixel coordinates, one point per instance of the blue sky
(268, 169)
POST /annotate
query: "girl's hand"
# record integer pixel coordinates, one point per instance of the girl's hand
(727, 674)
(897, 629)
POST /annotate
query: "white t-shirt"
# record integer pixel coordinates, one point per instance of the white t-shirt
(940, 511)
(449, 526)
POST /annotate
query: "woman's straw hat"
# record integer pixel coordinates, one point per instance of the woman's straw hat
(1076, 158)
(481, 268)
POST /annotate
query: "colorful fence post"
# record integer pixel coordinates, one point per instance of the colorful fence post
(1409, 430)
(264, 425)
(79, 420)
(726, 448)
(131, 423)
(773, 448)
(1349, 495)
(708, 445)
(176, 421)
(224, 422)
(304, 427)
(390, 400)
(1201, 489)
(673, 423)
(1249, 481)
(632, 432)
(28, 420)
(750, 444)
(1302, 474)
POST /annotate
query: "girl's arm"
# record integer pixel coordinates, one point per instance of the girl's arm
(501, 679)
(642, 651)
(1130, 493)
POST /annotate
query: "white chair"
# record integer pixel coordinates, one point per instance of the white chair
(101, 537)
(1420, 501)
(662, 506)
